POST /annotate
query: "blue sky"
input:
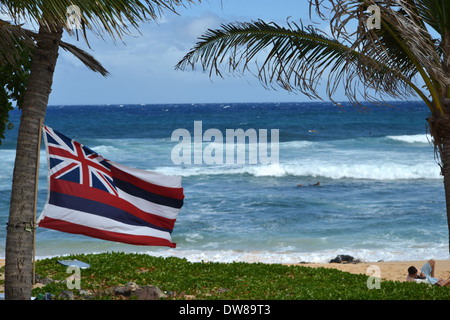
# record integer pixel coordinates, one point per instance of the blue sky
(142, 68)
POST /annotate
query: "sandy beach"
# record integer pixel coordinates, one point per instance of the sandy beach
(389, 270)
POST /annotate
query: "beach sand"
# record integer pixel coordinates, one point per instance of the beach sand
(389, 270)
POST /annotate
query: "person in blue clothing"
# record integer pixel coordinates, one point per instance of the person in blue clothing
(426, 275)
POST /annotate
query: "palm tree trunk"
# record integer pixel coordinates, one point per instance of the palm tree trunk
(440, 132)
(445, 155)
(446, 173)
(19, 240)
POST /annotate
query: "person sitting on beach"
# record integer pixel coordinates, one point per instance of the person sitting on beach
(426, 275)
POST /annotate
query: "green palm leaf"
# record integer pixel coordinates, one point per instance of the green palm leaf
(404, 41)
(435, 13)
(295, 58)
(13, 41)
(113, 17)
(371, 64)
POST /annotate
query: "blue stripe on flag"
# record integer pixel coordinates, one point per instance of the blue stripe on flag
(99, 209)
(146, 195)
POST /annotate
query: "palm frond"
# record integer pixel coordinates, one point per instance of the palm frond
(13, 41)
(294, 58)
(403, 42)
(113, 17)
(87, 59)
(419, 44)
(434, 13)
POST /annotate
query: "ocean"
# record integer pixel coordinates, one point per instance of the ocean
(381, 195)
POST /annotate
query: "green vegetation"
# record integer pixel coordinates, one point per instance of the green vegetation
(13, 82)
(181, 279)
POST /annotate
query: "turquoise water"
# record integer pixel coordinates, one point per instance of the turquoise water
(380, 197)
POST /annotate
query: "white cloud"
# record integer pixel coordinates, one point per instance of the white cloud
(142, 69)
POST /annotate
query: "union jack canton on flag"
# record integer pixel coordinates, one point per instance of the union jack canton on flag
(93, 196)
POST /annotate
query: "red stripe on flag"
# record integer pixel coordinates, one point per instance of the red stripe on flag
(176, 193)
(61, 225)
(78, 190)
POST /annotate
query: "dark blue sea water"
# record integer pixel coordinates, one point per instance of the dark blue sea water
(380, 197)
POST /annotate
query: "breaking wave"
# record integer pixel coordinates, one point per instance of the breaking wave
(376, 171)
(340, 159)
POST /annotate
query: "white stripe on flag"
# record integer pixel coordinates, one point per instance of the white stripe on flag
(101, 223)
(149, 207)
(151, 177)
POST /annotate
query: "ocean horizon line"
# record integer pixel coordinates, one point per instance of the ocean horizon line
(223, 102)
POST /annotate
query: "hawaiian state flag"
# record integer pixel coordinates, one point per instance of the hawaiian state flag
(96, 197)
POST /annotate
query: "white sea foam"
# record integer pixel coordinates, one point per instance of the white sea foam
(398, 252)
(415, 138)
(369, 170)
(327, 169)
(339, 159)
(296, 144)
(7, 156)
(391, 251)
(105, 150)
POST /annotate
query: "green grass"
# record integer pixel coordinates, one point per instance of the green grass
(225, 281)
